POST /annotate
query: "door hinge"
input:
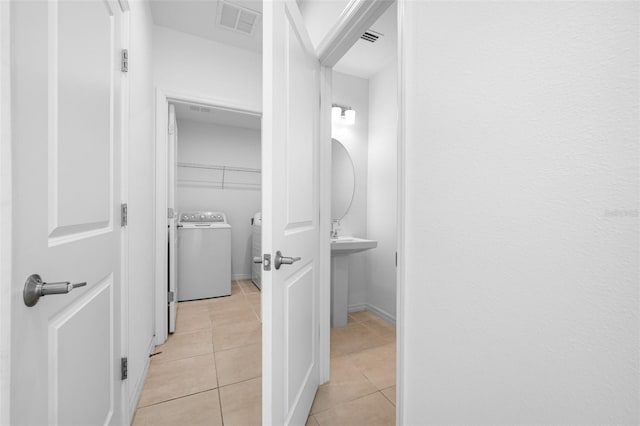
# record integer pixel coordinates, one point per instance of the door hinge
(396, 259)
(266, 263)
(123, 368)
(123, 214)
(124, 62)
(170, 297)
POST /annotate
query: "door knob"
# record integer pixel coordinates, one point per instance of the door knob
(34, 288)
(284, 260)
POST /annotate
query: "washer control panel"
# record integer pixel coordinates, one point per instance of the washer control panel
(203, 217)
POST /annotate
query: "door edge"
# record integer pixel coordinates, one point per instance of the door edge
(5, 212)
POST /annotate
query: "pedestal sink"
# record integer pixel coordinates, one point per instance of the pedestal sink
(341, 248)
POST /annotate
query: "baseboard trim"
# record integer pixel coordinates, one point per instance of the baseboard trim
(137, 393)
(241, 276)
(357, 307)
(381, 313)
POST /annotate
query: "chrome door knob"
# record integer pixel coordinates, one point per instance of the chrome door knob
(284, 260)
(34, 289)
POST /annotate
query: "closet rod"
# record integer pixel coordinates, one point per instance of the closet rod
(220, 183)
(214, 167)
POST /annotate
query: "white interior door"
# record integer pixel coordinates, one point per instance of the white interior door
(291, 73)
(172, 216)
(67, 123)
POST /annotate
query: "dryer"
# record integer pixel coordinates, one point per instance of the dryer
(204, 255)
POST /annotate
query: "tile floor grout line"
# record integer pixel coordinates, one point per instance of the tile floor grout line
(241, 381)
(177, 397)
(215, 364)
(220, 405)
(344, 401)
(186, 357)
(387, 398)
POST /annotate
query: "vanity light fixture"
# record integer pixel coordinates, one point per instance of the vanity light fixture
(343, 114)
(336, 114)
(350, 116)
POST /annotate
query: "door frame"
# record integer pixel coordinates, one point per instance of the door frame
(125, 387)
(357, 17)
(160, 148)
(5, 212)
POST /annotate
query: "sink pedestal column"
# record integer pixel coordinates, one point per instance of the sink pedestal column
(341, 248)
(339, 289)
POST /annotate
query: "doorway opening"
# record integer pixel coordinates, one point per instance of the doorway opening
(210, 195)
(214, 191)
(364, 230)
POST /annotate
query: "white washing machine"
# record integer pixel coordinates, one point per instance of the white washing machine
(204, 255)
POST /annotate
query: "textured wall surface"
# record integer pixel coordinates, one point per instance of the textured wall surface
(521, 213)
(382, 194)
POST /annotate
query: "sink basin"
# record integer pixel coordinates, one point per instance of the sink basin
(348, 245)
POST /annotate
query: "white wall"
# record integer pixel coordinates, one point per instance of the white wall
(382, 191)
(141, 198)
(205, 68)
(228, 146)
(522, 233)
(319, 16)
(354, 92)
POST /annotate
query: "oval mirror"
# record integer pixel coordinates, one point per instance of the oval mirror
(343, 180)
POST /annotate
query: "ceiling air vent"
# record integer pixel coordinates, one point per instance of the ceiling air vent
(197, 108)
(371, 36)
(237, 18)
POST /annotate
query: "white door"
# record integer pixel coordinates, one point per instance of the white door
(172, 216)
(67, 129)
(291, 85)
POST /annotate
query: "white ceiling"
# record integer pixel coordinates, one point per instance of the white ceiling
(210, 115)
(365, 59)
(198, 17)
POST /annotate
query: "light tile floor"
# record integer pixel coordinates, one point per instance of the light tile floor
(209, 371)
(362, 389)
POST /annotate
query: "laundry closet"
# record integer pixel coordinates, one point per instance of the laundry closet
(217, 198)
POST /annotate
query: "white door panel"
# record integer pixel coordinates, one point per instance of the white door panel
(89, 319)
(80, 117)
(290, 212)
(66, 117)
